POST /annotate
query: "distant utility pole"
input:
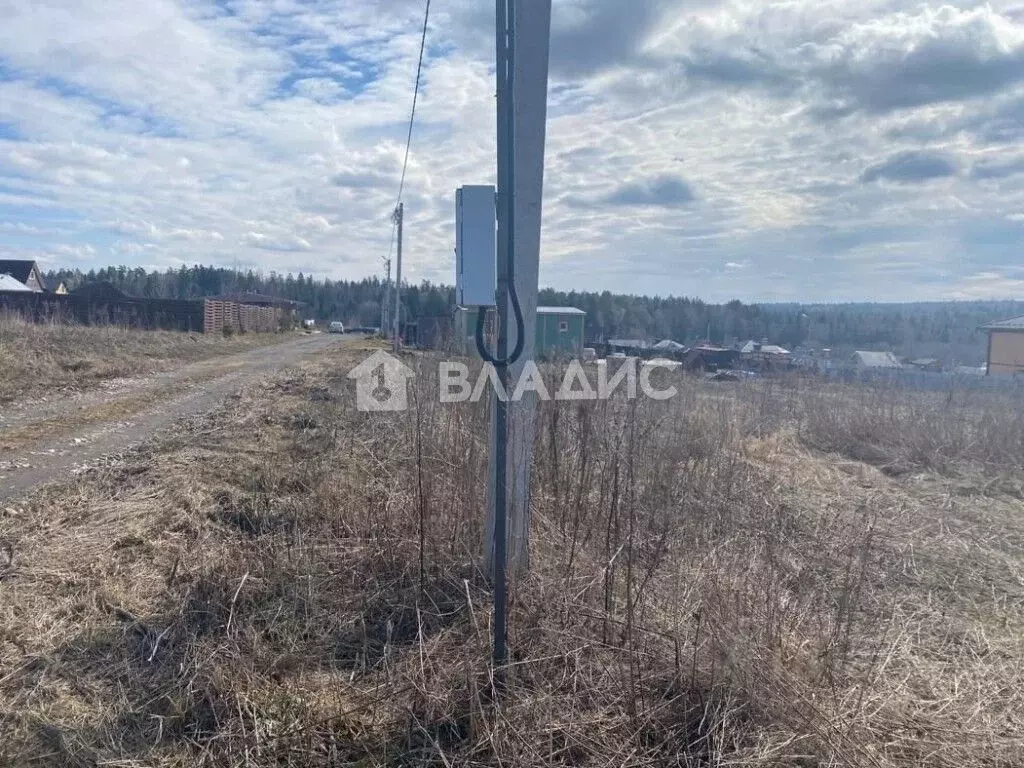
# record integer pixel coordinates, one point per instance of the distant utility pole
(399, 215)
(387, 299)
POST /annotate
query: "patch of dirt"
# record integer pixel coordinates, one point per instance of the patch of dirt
(49, 441)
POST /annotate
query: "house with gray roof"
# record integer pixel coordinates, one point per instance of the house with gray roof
(9, 284)
(25, 272)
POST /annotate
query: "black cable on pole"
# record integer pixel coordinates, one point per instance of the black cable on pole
(505, 31)
(504, 47)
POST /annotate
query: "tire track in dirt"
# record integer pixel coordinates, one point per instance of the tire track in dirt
(64, 437)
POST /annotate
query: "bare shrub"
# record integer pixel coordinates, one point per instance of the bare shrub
(297, 583)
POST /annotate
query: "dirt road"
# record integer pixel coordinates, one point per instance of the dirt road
(45, 441)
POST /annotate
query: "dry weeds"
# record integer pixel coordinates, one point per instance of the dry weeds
(708, 589)
(50, 358)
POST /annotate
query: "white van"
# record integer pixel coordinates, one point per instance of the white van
(336, 327)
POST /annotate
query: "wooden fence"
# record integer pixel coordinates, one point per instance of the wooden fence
(165, 314)
(201, 316)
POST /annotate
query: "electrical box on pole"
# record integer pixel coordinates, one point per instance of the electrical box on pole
(475, 246)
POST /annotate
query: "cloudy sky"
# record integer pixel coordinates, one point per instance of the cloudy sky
(813, 150)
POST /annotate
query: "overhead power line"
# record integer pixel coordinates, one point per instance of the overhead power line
(415, 95)
(408, 138)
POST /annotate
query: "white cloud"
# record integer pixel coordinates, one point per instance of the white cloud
(281, 242)
(988, 285)
(76, 252)
(681, 137)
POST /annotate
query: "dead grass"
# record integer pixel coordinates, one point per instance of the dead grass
(900, 431)
(708, 588)
(20, 437)
(51, 358)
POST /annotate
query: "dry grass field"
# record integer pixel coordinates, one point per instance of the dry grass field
(765, 574)
(51, 358)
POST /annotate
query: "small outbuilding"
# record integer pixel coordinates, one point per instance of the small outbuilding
(707, 357)
(559, 331)
(874, 360)
(1005, 347)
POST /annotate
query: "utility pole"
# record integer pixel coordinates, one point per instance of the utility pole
(522, 48)
(528, 114)
(387, 299)
(399, 215)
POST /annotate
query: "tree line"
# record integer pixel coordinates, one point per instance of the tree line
(941, 329)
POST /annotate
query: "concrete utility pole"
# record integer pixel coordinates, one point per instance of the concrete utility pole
(526, 108)
(387, 299)
(399, 215)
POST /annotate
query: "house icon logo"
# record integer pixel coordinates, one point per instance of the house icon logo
(381, 383)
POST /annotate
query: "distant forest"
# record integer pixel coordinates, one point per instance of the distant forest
(946, 330)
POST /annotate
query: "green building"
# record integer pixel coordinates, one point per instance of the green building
(559, 330)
